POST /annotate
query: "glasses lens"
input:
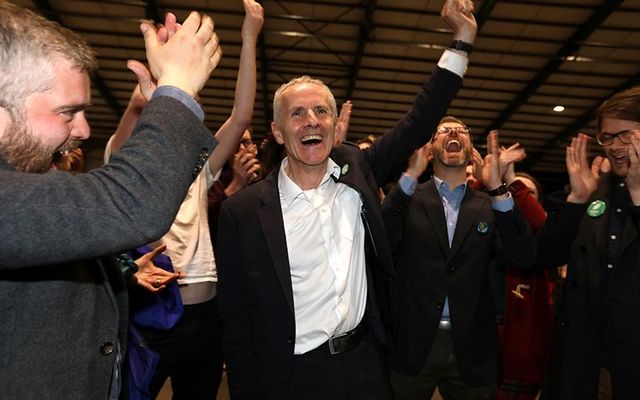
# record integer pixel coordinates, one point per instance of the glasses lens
(445, 130)
(604, 138)
(625, 137)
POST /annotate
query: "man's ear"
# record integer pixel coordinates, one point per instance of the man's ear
(277, 133)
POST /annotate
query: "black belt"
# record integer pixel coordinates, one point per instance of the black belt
(347, 341)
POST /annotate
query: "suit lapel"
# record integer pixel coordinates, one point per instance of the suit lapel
(434, 210)
(599, 224)
(270, 215)
(470, 207)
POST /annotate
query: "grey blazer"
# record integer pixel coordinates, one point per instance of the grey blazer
(64, 306)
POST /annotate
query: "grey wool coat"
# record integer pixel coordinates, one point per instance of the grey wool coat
(63, 304)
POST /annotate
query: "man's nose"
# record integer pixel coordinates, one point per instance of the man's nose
(311, 119)
(81, 129)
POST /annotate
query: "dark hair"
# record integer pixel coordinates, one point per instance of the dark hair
(623, 105)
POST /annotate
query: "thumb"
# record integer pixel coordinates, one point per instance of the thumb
(150, 35)
(143, 75)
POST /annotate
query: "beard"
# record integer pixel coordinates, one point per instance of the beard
(21, 148)
(441, 157)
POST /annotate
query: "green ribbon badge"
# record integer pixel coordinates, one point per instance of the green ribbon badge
(483, 227)
(345, 169)
(596, 208)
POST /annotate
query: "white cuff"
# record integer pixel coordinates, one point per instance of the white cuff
(454, 62)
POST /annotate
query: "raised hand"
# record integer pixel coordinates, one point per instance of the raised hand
(253, 20)
(583, 179)
(458, 14)
(491, 173)
(633, 173)
(186, 59)
(419, 161)
(478, 164)
(151, 277)
(508, 157)
(342, 125)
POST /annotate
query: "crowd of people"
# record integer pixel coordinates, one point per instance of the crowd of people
(287, 262)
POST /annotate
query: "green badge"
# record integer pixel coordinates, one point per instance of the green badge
(483, 227)
(596, 208)
(345, 169)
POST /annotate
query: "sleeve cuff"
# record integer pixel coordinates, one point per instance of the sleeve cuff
(182, 97)
(454, 62)
(503, 205)
(407, 184)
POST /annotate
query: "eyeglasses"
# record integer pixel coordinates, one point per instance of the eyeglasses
(624, 137)
(246, 142)
(460, 130)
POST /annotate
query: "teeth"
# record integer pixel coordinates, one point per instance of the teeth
(453, 146)
(311, 139)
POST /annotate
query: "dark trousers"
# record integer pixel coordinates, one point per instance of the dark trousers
(439, 371)
(190, 353)
(359, 374)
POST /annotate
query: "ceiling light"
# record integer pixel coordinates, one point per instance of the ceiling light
(558, 109)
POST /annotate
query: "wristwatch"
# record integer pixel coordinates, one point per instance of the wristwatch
(461, 45)
(500, 190)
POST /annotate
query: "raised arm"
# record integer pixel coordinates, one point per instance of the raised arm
(231, 131)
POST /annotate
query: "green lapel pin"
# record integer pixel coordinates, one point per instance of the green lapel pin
(345, 169)
(483, 227)
(596, 208)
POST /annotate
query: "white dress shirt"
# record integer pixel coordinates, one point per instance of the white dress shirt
(325, 244)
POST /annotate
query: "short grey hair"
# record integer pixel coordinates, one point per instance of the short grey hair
(277, 98)
(29, 47)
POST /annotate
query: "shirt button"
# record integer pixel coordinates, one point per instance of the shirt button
(106, 348)
(610, 266)
(618, 210)
(621, 184)
(613, 237)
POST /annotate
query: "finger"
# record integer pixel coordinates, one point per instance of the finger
(144, 77)
(606, 166)
(596, 165)
(171, 23)
(150, 35)
(217, 56)
(205, 31)
(153, 253)
(191, 25)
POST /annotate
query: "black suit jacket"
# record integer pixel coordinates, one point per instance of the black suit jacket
(255, 289)
(429, 271)
(593, 316)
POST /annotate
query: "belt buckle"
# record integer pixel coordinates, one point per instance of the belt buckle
(332, 350)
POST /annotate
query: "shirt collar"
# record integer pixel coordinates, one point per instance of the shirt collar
(289, 190)
(442, 185)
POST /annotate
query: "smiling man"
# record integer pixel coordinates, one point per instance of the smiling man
(596, 347)
(303, 257)
(63, 300)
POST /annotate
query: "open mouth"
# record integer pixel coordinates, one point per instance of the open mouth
(453, 146)
(310, 140)
(619, 158)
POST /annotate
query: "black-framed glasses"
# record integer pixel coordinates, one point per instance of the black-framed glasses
(624, 137)
(460, 130)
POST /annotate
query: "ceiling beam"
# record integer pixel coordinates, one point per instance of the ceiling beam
(577, 125)
(569, 48)
(366, 31)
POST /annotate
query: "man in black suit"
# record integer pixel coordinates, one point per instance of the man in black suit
(443, 236)
(63, 303)
(304, 261)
